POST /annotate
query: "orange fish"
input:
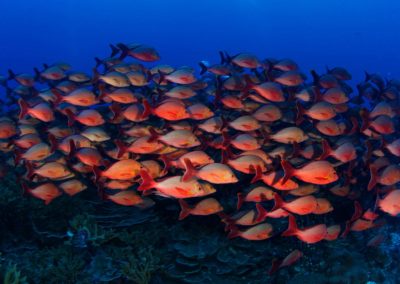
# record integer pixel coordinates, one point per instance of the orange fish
(214, 173)
(126, 198)
(323, 206)
(257, 194)
(52, 170)
(248, 164)
(121, 170)
(317, 172)
(88, 117)
(7, 129)
(46, 192)
(206, 206)
(390, 203)
(269, 90)
(245, 123)
(178, 138)
(346, 152)
(268, 113)
(259, 232)
(308, 235)
(72, 187)
(319, 111)
(41, 111)
(171, 110)
(78, 97)
(174, 186)
(332, 232)
(301, 206)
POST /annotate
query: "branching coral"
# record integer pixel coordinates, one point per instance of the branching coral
(140, 266)
(13, 276)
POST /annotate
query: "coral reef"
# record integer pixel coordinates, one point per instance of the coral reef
(80, 240)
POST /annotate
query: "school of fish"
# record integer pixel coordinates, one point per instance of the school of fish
(250, 140)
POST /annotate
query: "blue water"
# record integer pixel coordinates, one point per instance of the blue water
(357, 34)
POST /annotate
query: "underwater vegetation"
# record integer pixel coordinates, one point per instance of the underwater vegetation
(248, 172)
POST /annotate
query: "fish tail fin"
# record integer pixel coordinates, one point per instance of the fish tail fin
(300, 113)
(364, 119)
(374, 177)
(383, 143)
(228, 58)
(149, 76)
(276, 264)
(261, 213)
(358, 211)
(58, 95)
(98, 62)
(102, 92)
(295, 150)
(292, 228)
(161, 77)
(53, 143)
(240, 200)
(115, 110)
(317, 94)
(249, 84)
(72, 148)
(125, 50)
(24, 108)
(121, 148)
(25, 188)
(97, 174)
(234, 232)
(147, 181)
(185, 209)
(147, 110)
(288, 171)
(153, 134)
(114, 50)
(278, 202)
(326, 150)
(190, 171)
(37, 74)
(96, 75)
(71, 117)
(315, 77)
(354, 126)
(258, 174)
(11, 74)
(167, 164)
(30, 172)
(222, 57)
(17, 156)
(266, 136)
(203, 67)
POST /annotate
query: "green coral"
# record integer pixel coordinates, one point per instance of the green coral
(13, 276)
(141, 265)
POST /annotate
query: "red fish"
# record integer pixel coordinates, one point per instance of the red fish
(206, 206)
(40, 111)
(291, 258)
(47, 192)
(317, 172)
(308, 235)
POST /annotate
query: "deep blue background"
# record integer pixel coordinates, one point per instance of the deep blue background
(357, 34)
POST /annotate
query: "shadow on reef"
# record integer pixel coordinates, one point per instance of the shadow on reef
(76, 240)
